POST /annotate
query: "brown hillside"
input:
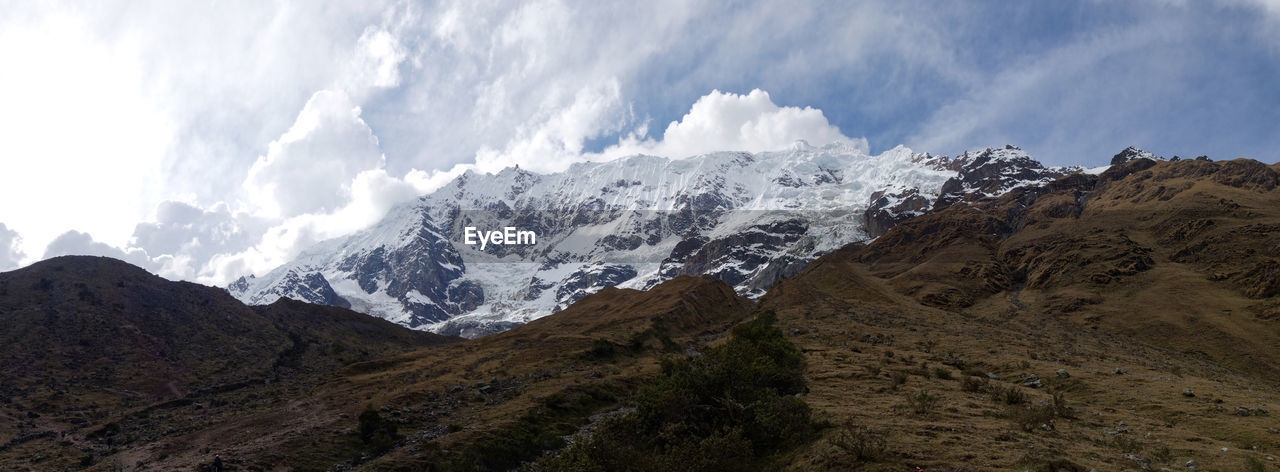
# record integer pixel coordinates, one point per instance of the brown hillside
(1124, 321)
(1163, 272)
(84, 340)
(443, 398)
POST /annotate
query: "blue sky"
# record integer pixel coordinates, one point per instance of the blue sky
(204, 141)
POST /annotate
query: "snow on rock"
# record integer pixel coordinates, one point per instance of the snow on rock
(748, 219)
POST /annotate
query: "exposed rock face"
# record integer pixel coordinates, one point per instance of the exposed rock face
(889, 209)
(747, 219)
(1130, 153)
(993, 172)
(981, 174)
(311, 287)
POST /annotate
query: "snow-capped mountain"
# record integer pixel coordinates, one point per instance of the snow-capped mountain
(748, 219)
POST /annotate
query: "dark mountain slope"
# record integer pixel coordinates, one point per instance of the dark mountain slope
(83, 339)
(445, 400)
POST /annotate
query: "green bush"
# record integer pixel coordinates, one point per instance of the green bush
(378, 434)
(542, 428)
(601, 350)
(727, 409)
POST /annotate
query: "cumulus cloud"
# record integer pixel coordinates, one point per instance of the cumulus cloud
(552, 140)
(11, 254)
(191, 236)
(310, 167)
(76, 243)
(722, 121)
(324, 177)
(371, 194)
(718, 121)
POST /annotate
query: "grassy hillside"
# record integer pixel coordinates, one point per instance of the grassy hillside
(1126, 321)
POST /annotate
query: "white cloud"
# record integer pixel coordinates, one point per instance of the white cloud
(552, 140)
(76, 243)
(190, 236)
(371, 193)
(718, 121)
(10, 248)
(722, 121)
(81, 137)
(376, 63)
(1098, 86)
(325, 177)
(310, 167)
(309, 121)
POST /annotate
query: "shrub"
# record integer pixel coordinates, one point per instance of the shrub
(723, 410)
(942, 373)
(1126, 444)
(863, 444)
(974, 384)
(1161, 455)
(922, 403)
(378, 434)
(1031, 417)
(1008, 395)
(898, 378)
(1252, 464)
(542, 428)
(1059, 405)
(601, 350)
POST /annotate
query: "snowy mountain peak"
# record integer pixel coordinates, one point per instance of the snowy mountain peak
(1130, 153)
(747, 218)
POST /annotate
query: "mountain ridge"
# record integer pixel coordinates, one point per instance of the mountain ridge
(1118, 321)
(749, 219)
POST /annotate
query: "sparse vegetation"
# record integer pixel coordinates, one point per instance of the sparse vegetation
(897, 379)
(1031, 417)
(601, 350)
(1010, 395)
(377, 434)
(974, 384)
(942, 373)
(728, 409)
(1253, 464)
(542, 428)
(863, 444)
(1161, 455)
(921, 403)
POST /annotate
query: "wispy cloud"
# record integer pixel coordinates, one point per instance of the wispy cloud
(213, 140)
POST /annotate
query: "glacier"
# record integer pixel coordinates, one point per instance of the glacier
(747, 218)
